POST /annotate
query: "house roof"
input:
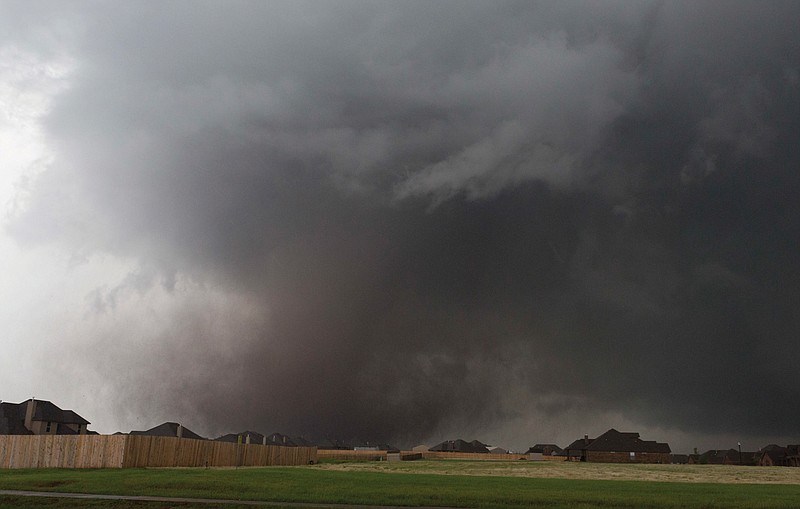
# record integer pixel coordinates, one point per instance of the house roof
(575, 448)
(332, 443)
(776, 454)
(681, 459)
(459, 445)
(255, 437)
(281, 439)
(378, 446)
(617, 441)
(47, 411)
(545, 449)
(720, 456)
(12, 417)
(302, 442)
(168, 429)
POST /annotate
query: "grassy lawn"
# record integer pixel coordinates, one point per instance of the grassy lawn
(434, 483)
(56, 503)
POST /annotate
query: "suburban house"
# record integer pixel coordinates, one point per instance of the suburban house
(772, 456)
(545, 450)
(169, 429)
(497, 450)
(724, 457)
(281, 439)
(372, 446)
(777, 456)
(617, 447)
(245, 437)
(680, 459)
(459, 445)
(40, 417)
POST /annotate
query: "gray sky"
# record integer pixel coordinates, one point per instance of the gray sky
(405, 221)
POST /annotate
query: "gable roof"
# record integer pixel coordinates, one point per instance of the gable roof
(47, 411)
(332, 443)
(617, 441)
(721, 456)
(302, 442)
(281, 439)
(551, 449)
(168, 429)
(575, 448)
(255, 437)
(377, 446)
(459, 445)
(776, 454)
(12, 419)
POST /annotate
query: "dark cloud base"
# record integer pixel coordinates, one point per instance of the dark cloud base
(578, 208)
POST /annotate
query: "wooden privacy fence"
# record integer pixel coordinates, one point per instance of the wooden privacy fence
(345, 454)
(126, 451)
(61, 451)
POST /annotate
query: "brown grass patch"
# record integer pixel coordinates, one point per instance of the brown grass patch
(725, 474)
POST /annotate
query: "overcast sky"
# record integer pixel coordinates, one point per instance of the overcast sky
(405, 221)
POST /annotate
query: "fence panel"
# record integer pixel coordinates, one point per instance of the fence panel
(127, 451)
(61, 451)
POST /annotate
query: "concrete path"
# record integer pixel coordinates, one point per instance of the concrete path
(54, 494)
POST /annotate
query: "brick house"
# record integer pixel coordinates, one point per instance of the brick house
(725, 457)
(617, 447)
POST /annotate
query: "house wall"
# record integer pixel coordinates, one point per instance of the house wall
(625, 457)
(765, 461)
(40, 427)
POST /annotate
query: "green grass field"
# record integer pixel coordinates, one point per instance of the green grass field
(420, 484)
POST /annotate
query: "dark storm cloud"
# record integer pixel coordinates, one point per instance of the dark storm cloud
(443, 212)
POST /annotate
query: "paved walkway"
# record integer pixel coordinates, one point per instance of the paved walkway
(55, 494)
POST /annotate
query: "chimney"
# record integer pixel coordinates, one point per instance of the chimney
(180, 431)
(29, 412)
(586, 439)
(264, 440)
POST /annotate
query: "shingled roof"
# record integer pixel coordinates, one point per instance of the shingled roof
(255, 437)
(546, 449)
(617, 441)
(169, 429)
(459, 445)
(47, 411)
(613, 440)
(12, 417)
